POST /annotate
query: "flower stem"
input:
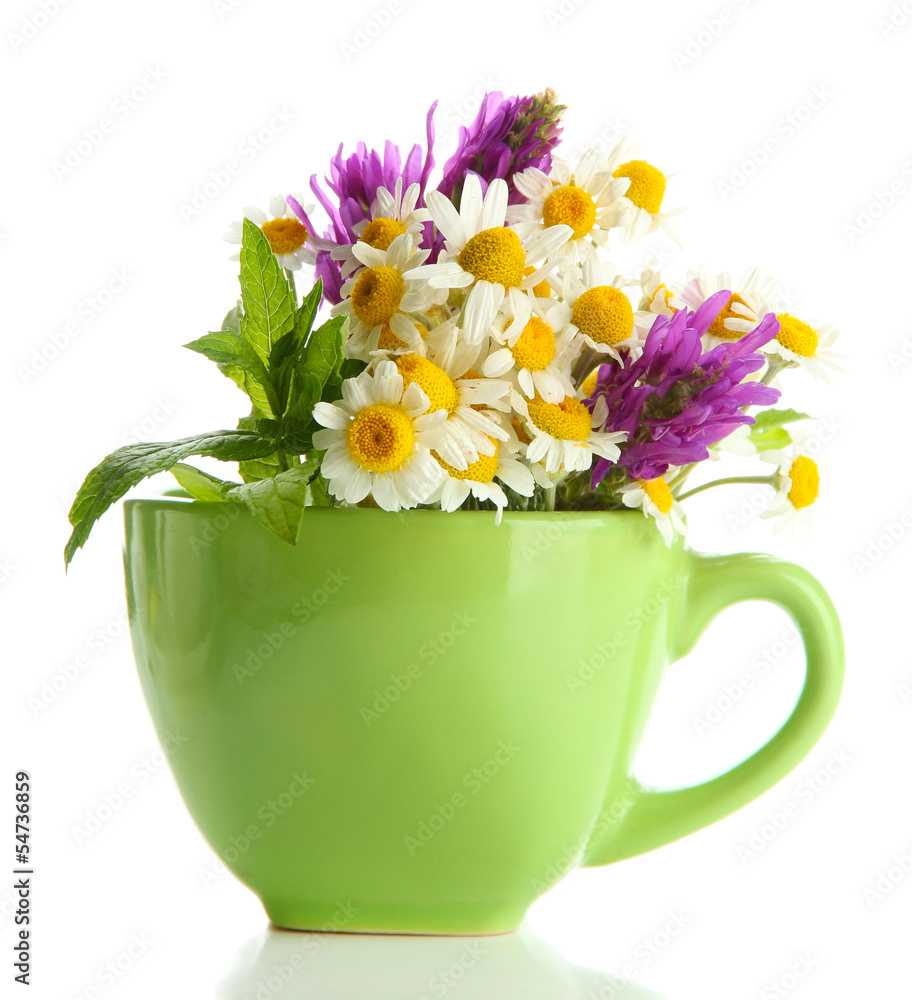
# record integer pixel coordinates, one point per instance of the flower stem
(549, 498)
(766, 480)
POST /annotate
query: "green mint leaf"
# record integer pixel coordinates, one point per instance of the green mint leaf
(237, 359)
(268, 305)
(766, 419)
(278, 502)
(259, 468)
(307, 312)
(200, 485)
(323, 356)
(768, 431)
(774, 438)
(232, 320)
(127, 466)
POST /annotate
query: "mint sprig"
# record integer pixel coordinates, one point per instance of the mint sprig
(269, 349)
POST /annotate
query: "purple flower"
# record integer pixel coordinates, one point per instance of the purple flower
(676, 400)
(354, 180)
(508, 135)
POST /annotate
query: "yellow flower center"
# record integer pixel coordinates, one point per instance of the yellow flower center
(647, 184)
(381, 437)
(588, 386)
(568, 420)
(376, 295)
(665, 292)
(482, 471)
(604, 314)
(379, 233)
(535, 347)
(285, 235)
(390, 342)
(805, 477)
(542, 290)
(570, 206)
(439, 387)
(658, 492)
(495, 255)
(718, 328)
(797, 336)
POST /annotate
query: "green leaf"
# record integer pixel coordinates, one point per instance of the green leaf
(267, 300)
(776, 418)
(237, 359)
(127, 466)
(775, 438)
(200, 485)
(323, 356)
(278, 502)
(319, 496)
(259, 468)
(232, 320)
(768, 431)
(307, 312)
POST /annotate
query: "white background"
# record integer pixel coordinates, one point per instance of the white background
(704, 91)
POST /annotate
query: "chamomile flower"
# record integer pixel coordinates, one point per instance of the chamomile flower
(291, 240)
(378, 440)
(595, 307)
(465, 398)
(798, 487)
(377, 298)
(750, 299)
(485, 257)
(645, 193)
(534, 356)
(478, 480)
(654, 498)
(561, 434)
(655, 300)
(807, 345)
(587, 199)
(392, 214)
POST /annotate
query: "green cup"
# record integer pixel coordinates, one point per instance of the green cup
(419, 722)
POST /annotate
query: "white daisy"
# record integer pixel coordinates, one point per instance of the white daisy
(645, 193)
(378, 441)
(535, 357)
(291, 240)
(478, 480)
(468, 401)
(751, 298)
(588, 200)
(484, 256)
(798, 487)
(655, 300)
(561, 435)
(392, 214)
(807, 345)
(377, 298)
(654, 498)
(595, 307)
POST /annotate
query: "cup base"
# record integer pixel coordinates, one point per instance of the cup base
(363, 917)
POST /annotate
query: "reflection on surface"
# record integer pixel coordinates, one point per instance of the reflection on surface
(290, 964)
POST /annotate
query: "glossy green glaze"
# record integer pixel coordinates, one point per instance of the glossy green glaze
(419, 722)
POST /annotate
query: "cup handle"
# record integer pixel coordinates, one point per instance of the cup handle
(714, 583)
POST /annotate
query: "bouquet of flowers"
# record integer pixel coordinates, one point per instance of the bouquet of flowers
(482, 350)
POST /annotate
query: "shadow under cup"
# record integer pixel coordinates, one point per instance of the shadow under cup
(420, 722)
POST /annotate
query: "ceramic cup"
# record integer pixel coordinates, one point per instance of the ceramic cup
(420, 722)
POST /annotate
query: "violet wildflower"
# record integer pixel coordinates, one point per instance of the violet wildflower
(675, 400)
(508, 135)
(354, 180)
